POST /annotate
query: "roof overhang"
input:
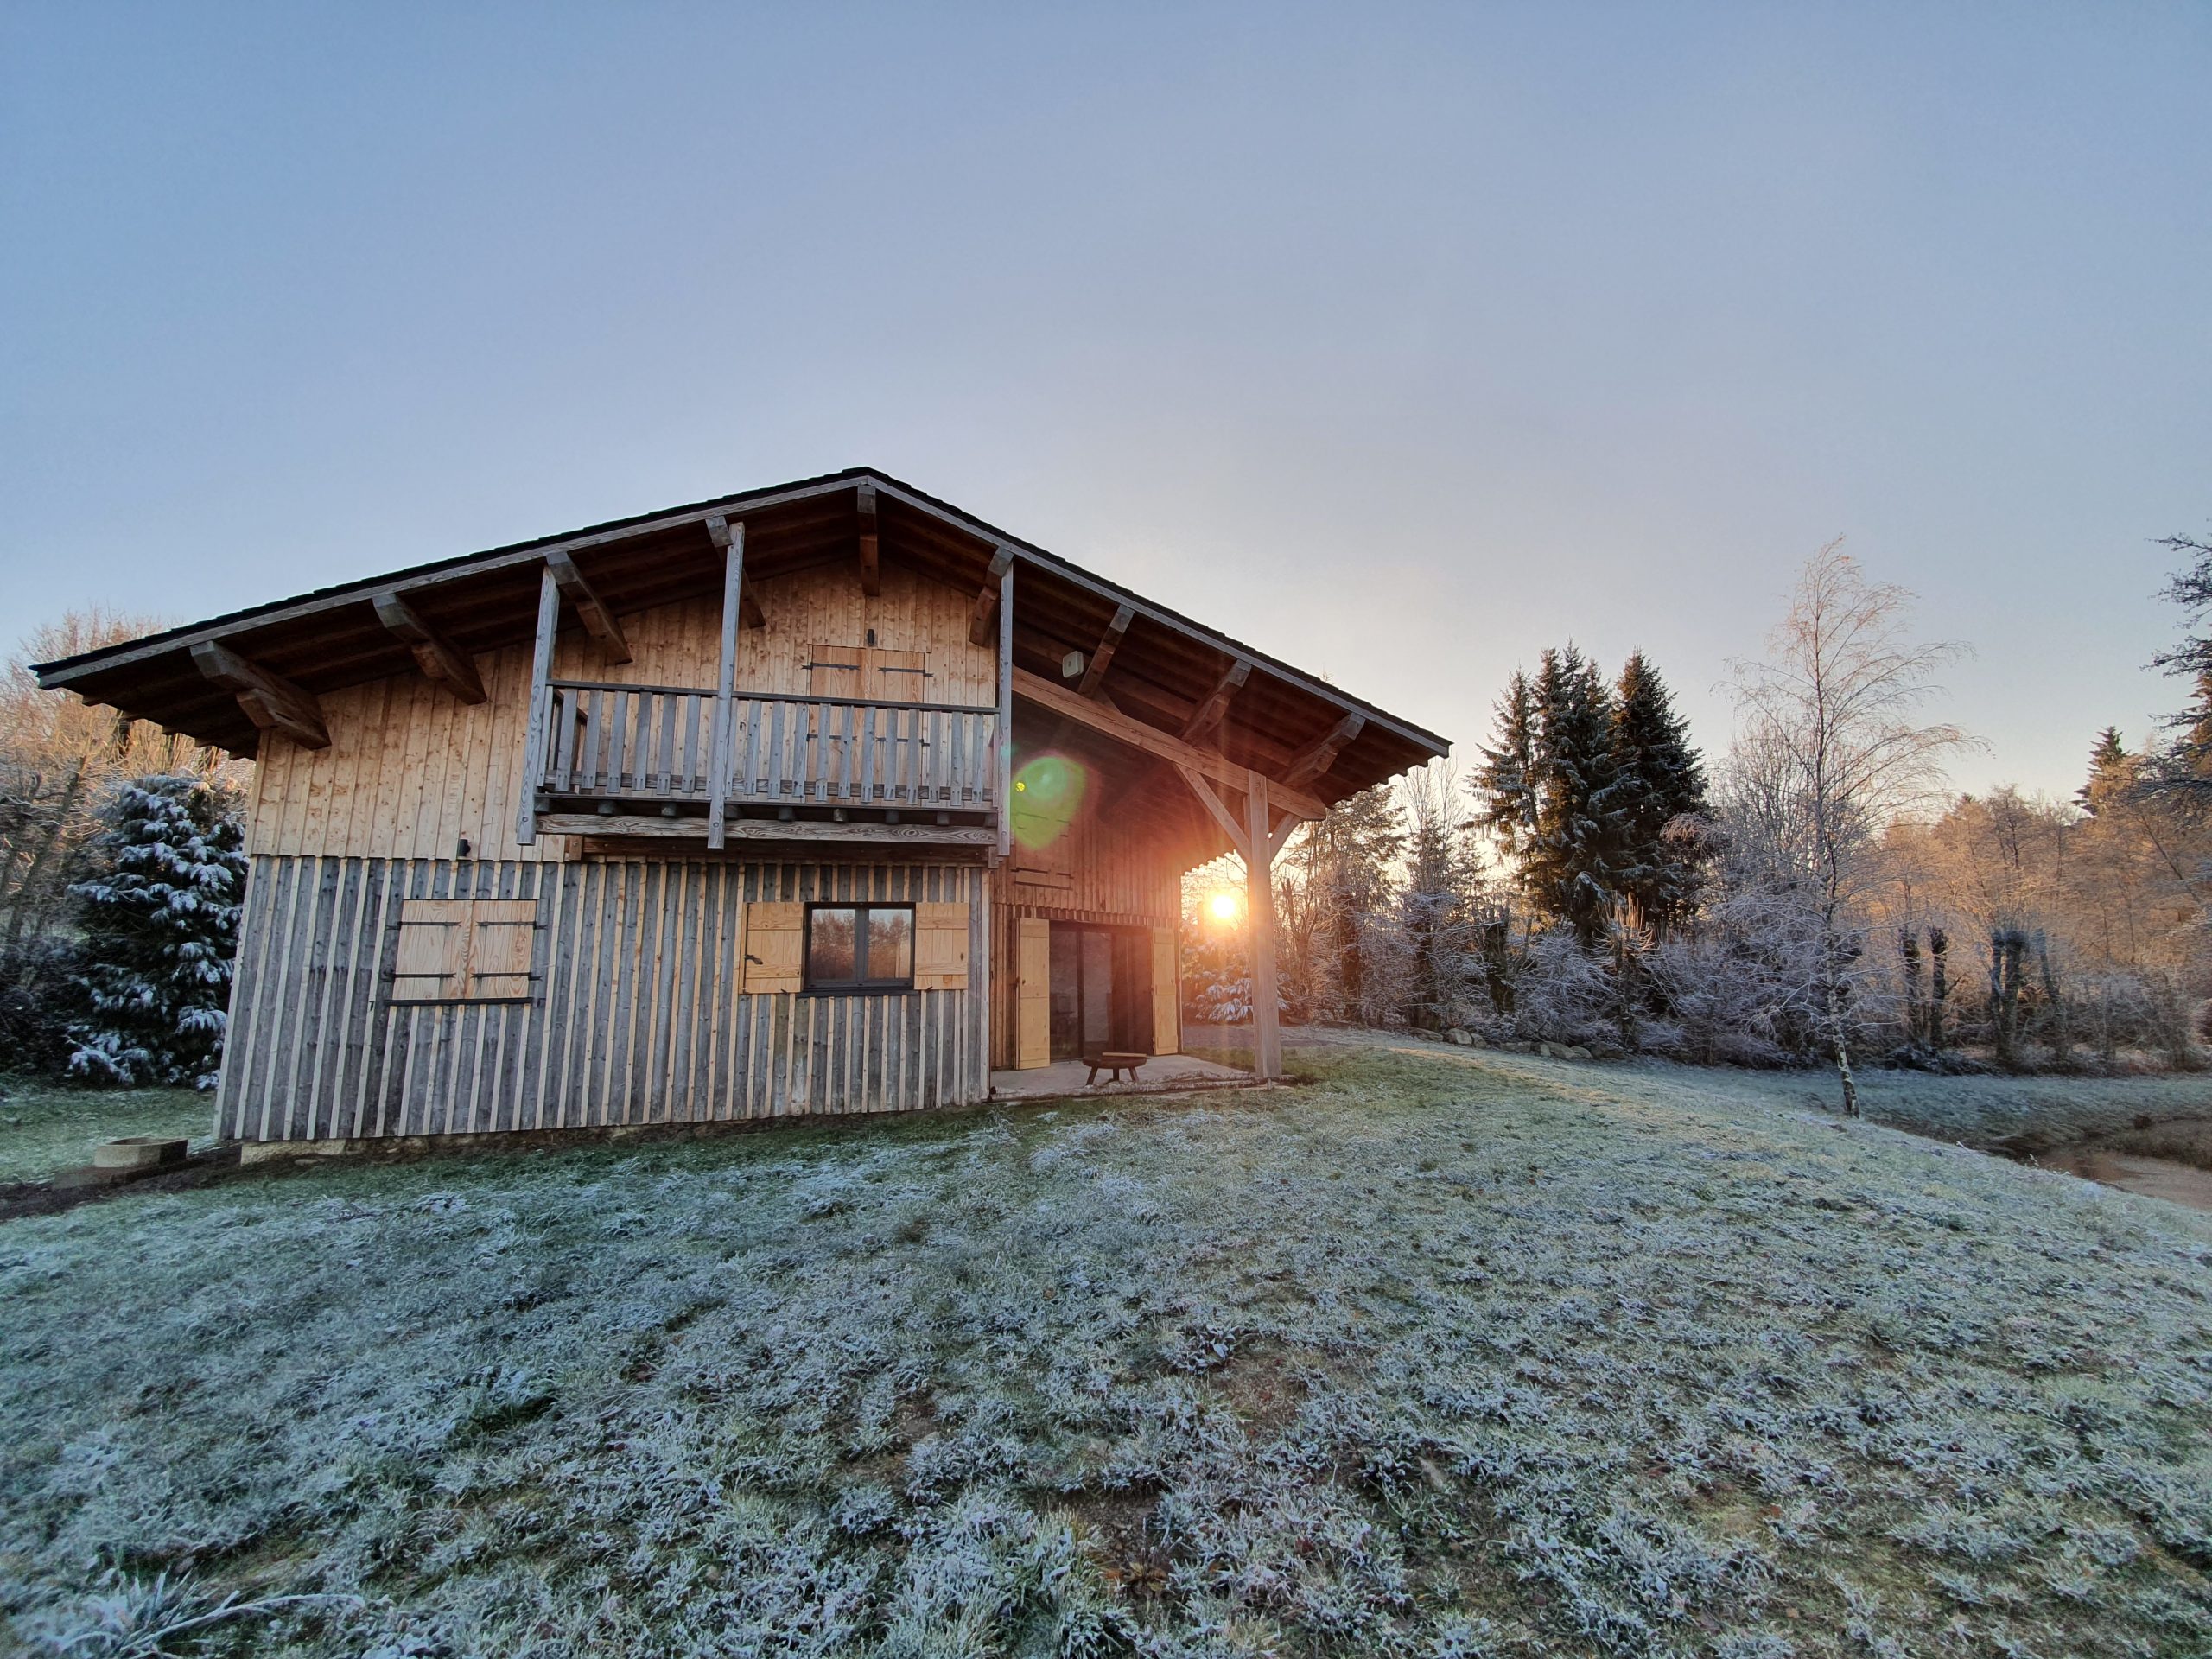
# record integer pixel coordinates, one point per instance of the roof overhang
(1168, 670)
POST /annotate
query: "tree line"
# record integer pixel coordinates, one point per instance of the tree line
(1817, 896)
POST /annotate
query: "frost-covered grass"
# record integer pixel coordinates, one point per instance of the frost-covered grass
(1976, 1110)
(44, 1127)
(1433, 1356)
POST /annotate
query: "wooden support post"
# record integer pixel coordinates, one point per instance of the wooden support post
(1209, 712)
(591, 611)
(731, 539)
(1006, 705)
(272, 703)
(536, 738)
(871, 575)
(987, 598)
(1260, 909)
(440, 660)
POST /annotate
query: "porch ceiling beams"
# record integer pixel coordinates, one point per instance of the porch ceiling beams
(1086, 712)
(598, 621)
(440, 660)
(1206, 718)
(986, 614)
(272, 703)
(1094, 674)
(1318, 756)
(871, 570)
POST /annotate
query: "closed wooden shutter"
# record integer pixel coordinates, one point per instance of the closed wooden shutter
(1033, 1018)
(1166, 992)
(433, 964)
(940, 947)
(896, 676)
(465, 949)
(775, 948)
(502, 933)
(836, 671)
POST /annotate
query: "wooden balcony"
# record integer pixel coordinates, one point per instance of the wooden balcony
(639, 760)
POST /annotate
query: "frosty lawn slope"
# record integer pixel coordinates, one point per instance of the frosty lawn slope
(1430, 1357)
(44, 1128)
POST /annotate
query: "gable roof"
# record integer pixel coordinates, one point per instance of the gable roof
(1167, 666)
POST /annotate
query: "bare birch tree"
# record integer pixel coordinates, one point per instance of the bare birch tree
(1829, 722)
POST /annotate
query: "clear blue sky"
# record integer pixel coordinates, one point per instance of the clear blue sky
(1400, 342)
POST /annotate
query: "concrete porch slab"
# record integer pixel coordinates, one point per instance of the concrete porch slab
(1163, 1073)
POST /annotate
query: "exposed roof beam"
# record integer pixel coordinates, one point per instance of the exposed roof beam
(984, 625)
(272, 703)
(598, 621)
(1060, 700)
(1093, 675)
(1209, 714)
(871, 575)
(1201, 786)
(440, 660)
(1318, 756)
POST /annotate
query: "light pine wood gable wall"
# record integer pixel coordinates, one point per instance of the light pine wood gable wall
(411, 772)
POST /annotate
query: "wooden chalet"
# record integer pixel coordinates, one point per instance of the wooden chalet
(828, 798)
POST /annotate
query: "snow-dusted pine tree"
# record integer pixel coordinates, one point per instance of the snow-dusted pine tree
(1570, 867)
(1507, 784)
(1661, 794)
(161, 925)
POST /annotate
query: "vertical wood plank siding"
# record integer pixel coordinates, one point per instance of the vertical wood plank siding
(633, 1017)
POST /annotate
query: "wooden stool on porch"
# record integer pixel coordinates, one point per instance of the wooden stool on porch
(1109, 1061)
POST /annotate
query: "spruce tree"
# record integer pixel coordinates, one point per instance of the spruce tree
(2111, 773)
(1507, 786)
(1570, 863)
(1661, 786)
(161, 925)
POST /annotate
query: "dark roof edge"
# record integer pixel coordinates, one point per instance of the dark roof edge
(59, 672)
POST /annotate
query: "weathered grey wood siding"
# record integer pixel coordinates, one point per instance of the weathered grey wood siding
(634, 1015)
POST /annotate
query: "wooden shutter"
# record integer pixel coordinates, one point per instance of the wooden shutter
(775, 948)
(836, 671)
(499, 940)
(465, 949)
(1033, 1018)
(1166, 992)
(940, 947)
(896, 676)
(433, 964)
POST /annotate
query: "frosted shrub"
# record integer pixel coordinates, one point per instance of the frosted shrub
(1564, 994)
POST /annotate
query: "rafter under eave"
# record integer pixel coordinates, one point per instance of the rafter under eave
(272, 703)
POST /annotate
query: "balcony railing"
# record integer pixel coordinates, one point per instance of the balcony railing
(656, 744)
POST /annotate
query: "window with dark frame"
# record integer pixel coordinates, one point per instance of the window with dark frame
(860, 948)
